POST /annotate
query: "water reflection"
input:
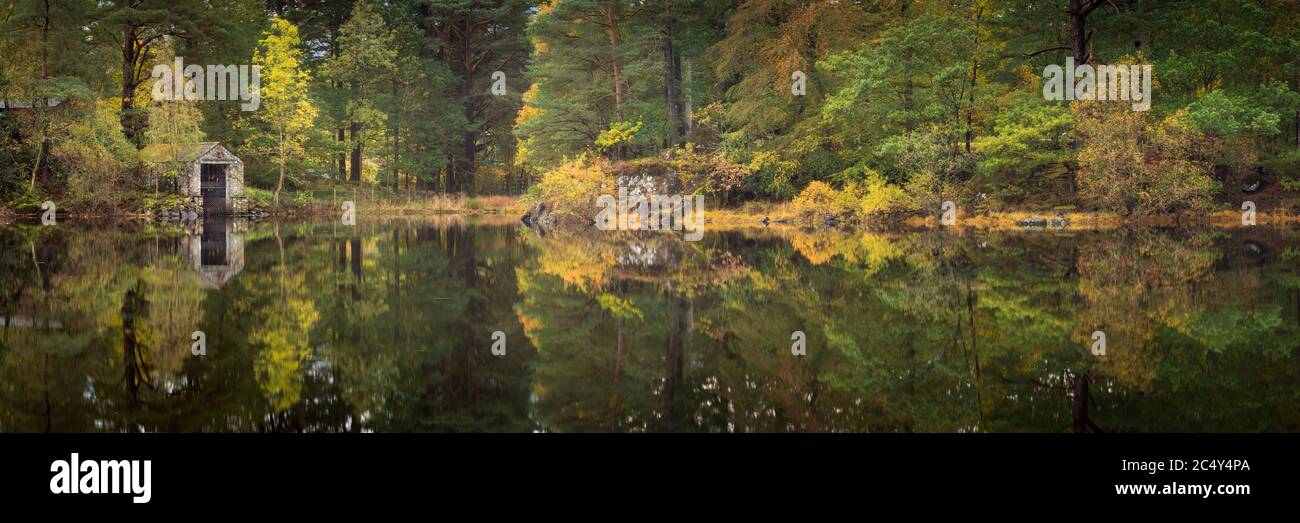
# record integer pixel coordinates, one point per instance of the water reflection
(387, 327)
(217, 248)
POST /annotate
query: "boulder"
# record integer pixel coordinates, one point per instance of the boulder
(537, 215)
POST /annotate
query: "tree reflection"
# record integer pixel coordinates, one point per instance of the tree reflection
(386, 326)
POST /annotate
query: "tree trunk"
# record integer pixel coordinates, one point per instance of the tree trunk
(974, 83)
(343, 157)
(465, 175)
(45, 42)
(970, 109)
(397, 173)
(1078, 37)
(672, 72)
(396, 130)
(279, 185)
(1082, 395)
(128, 80)
(40, 157)
(460, 178)
(44, 150)
(355, 131)
(612, 26)
(1079, 11)
(686, 100)
(357, 260)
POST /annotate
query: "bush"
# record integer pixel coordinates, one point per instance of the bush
(869, 198)
(1284, 165)
(96, 158)
(820, 200)
(165, 203)
(299, 199)
(773, 175)
(711, 174)
(1131, 165)
(258, 196)
(880, 197)
(1289, 184)
(574, 186)
(26, 199)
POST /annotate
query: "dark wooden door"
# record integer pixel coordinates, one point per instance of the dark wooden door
(212, 186)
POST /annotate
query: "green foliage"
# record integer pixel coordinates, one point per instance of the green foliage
(1218, 114)
(362, 70)
(174, 126)
(937, 98)
(287, 115)
(259, 196)
(97, 159)
(164, 203)
(619, 133)
(573, 101)
(914, 78)
(471, 40)
(1029, 134)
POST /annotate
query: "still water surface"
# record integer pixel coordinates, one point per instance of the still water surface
(388, 326)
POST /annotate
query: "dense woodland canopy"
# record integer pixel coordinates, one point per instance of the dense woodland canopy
(381, 325)
(907, 101)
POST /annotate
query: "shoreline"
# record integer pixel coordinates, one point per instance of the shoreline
(1014, 221)
(307, 212)
(738, 219)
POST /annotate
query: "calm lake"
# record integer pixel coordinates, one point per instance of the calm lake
(391, 326)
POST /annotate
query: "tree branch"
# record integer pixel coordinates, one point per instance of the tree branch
(1041, 51)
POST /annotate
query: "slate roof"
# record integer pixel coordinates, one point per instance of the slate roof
(184, 153)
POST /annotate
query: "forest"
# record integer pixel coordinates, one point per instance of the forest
(846, 111)
(441, 120)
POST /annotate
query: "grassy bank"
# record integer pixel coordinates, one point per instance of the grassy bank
(319, 202)
(752, 215)
(779, 216)
(1279, 209)
(379, 201)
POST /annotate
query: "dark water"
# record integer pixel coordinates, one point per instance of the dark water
(389, 326)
